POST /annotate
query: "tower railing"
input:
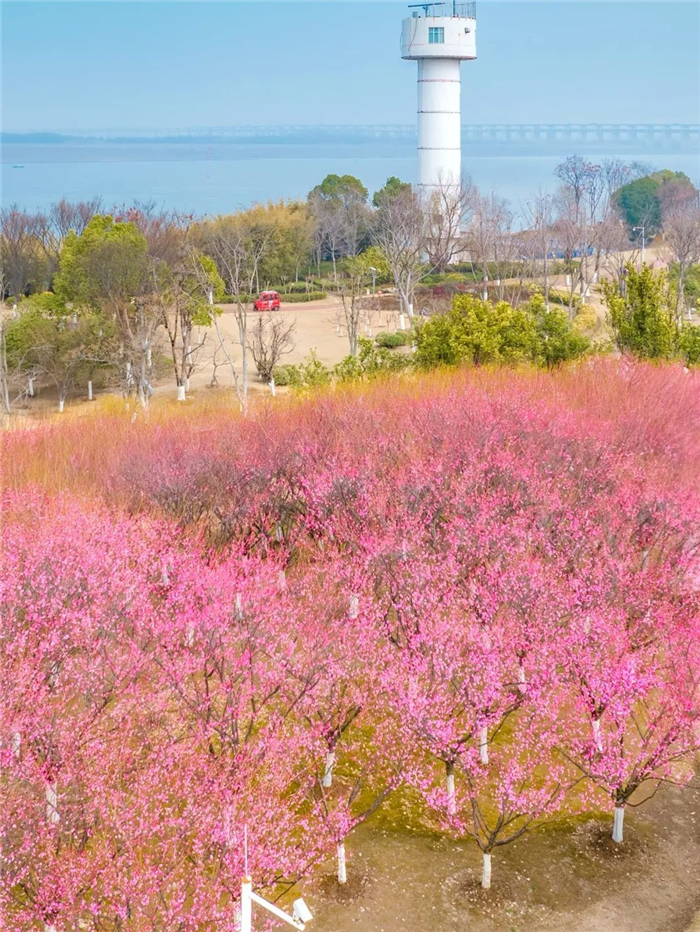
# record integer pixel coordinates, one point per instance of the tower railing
(447, 8)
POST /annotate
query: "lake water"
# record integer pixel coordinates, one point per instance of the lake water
(219, 178)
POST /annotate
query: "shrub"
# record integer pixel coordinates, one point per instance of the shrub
(478, 332)
(302, 298)
(689, 344)
(287, 374)
(392, 340)
(642, 320)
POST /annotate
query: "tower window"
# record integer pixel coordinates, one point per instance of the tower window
(436, 34)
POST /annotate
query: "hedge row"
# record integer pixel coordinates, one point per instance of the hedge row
(286, 298)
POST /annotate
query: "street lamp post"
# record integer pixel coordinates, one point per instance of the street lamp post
(374, 278)
(634, 229)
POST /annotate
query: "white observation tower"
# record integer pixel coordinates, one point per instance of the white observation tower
(439, 38)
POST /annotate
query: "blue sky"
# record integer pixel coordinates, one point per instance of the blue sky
(160, 65)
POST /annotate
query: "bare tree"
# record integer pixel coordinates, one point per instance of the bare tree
(447, 209)
(352, 294)
(238, 244)
(19, 249)
(62, 218)
(540, 215)
(681, 230)
(490, 240)
(399, 231)
(269, 340)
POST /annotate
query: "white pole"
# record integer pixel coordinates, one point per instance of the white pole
(246, 905)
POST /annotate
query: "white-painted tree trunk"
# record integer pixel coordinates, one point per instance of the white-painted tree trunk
(485, 294)
(181, 396)
(273, 390)
(596, 735)
(281, 581)
(52, 804)
(522, 680)
(49, 927)
(239, 606)
(61, 405)
(342, 871)
(16, 743)
(486, 872)
(149, 357)
(484, 745)
(189, 639)
(328, 773)
(90, 395)
(402, 322)
(618, 823)
(450, 781)
(30, 387)
(354, 609)
(410, 311)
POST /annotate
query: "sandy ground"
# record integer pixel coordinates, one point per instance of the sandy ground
(557, 879)
(316, 327)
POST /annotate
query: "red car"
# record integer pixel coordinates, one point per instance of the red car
(267, 301)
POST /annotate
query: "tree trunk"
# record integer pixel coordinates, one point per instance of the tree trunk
(450, 781)
(328, 773)
(52, 804)
(486, 872)
(618, 824)
(596, 735)
(30, 387)
(181, 396)
(61, 404)
(90, 395)
(484, 745)
(342, 872)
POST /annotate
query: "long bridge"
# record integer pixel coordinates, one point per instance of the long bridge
(650, 133)
(653, 136)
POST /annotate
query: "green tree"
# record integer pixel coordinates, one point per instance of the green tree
(640, 201)
(641, 314)
(108, 269)
(391, 189)
(66, 347)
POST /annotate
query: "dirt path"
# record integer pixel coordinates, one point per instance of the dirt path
(559, 879)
